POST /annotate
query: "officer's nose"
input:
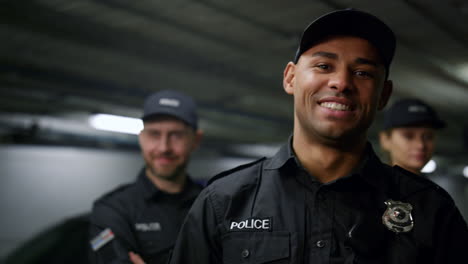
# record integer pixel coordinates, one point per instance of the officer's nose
(163, 144)
(341, 81)
(421, 143)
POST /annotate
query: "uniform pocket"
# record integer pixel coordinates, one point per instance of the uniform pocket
(256, 247)
(152, 243)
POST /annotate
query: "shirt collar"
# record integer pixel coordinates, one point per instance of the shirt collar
(284, 155)
(149, 190)
(372, 170)
(146, 186)
(369, 169)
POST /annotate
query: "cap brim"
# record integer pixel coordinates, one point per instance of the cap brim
(350, 22)
(436, 124)
(167, 112)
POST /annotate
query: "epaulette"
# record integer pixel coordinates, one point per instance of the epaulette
(230, 171)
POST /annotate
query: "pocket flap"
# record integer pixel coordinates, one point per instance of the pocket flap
(255, 247)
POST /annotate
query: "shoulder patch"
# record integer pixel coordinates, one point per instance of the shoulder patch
(230, 171)
(101, 239)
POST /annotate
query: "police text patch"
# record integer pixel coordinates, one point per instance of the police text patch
(251, 224)
(155, 226)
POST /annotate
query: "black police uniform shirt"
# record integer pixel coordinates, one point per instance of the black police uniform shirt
(142, 219)
(273, 211)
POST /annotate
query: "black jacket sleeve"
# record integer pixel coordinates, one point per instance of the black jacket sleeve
(198, 240)
(115, 251)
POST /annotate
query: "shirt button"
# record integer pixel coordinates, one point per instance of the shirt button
(320, 244)
(245, 253)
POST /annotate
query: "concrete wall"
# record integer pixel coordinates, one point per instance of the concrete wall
(42, 185)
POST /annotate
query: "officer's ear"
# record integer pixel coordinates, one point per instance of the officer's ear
(140, 138)
(384, 139)
(385, 94)
(289, 77)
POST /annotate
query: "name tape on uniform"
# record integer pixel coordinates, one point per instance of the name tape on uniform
(155, 226)
(102, 238)
(251, 224)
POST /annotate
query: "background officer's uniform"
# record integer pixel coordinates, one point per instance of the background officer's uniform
(142, 219)
(274, 211)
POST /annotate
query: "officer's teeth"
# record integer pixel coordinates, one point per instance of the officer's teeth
(335, 106)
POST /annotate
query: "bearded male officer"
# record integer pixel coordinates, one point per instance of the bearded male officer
(139, 222)
(325, 197)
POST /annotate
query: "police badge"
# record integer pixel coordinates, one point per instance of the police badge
(397, 217)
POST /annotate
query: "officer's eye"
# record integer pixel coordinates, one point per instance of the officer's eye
(364, 74)
(428, 136)
(323, 66)
(408, 135)
(178, 134)
(154, 134)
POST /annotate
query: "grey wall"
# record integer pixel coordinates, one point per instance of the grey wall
(42, 185)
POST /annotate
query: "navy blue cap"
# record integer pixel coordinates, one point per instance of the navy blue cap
(172, 103)
(350, 22)
(411, 112)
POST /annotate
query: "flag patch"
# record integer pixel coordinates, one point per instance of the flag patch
(103, 238)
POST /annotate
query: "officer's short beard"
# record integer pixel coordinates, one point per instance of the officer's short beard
(173, 175)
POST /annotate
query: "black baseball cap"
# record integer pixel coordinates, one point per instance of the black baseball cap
(350, 22)
(411, 112)
(172, 103)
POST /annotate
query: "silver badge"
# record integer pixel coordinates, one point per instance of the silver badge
(397, 217)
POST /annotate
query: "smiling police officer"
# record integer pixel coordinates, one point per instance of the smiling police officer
(139, 222)
(325, 197)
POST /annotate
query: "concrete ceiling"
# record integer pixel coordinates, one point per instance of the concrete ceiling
(63, 60)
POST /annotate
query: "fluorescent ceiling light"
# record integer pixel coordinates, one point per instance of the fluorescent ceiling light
(429, 167)
(465, 172)
(462, 71)
(120, 124)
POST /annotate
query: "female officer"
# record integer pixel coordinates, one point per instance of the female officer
(409, 134)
